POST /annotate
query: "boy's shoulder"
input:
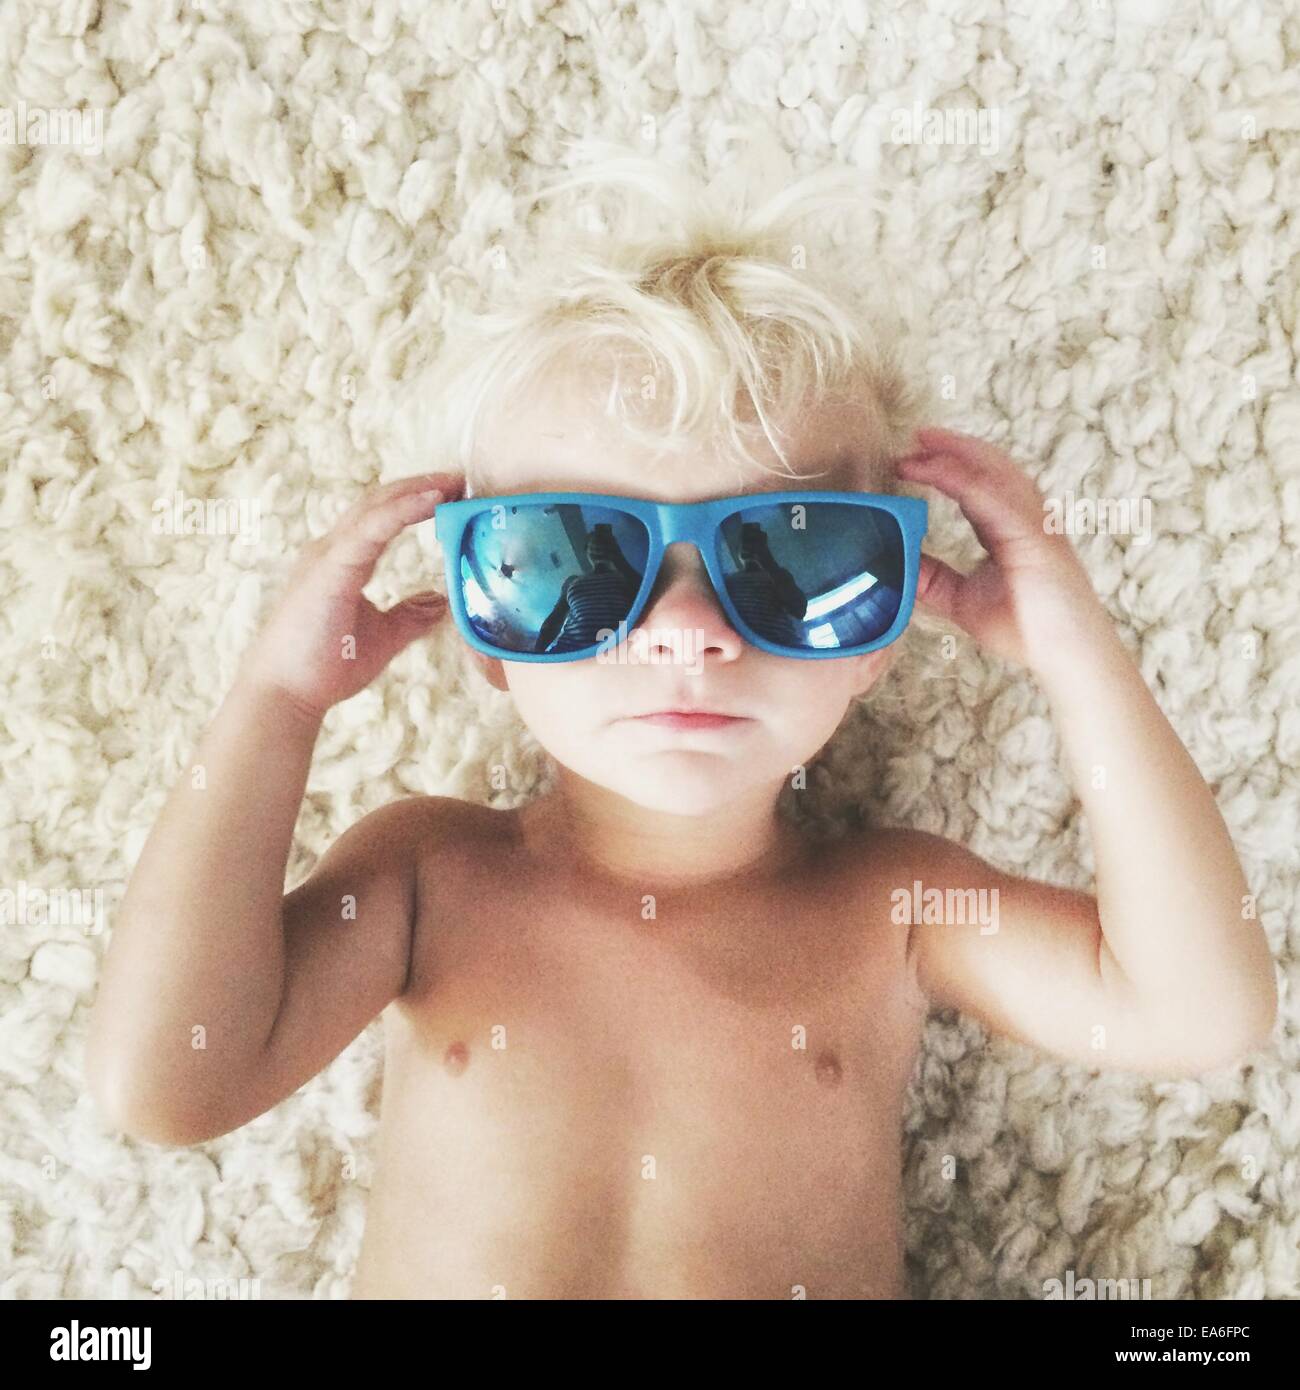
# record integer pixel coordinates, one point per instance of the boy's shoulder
(425, 821)
(900, 861)
(889, 850)
(416, 833)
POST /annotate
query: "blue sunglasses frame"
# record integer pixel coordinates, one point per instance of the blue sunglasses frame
(698, 523)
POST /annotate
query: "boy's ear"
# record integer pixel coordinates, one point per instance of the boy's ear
(873, 667)
(491, 668)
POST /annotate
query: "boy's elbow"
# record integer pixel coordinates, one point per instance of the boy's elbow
(152, 1128)
(1257, 1035)
(1183, 1052)
(150, 1124)
(1260, 1038)
(104, 1092)
(1229, 1029)
(1239, 1047)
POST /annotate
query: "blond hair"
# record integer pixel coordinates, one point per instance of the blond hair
(666, 282)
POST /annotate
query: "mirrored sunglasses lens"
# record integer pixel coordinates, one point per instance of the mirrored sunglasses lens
(543, 577)
(816, 574)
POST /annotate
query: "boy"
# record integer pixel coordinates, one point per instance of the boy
(644, 1038)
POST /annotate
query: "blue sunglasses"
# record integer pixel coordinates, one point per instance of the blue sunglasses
(562, 576)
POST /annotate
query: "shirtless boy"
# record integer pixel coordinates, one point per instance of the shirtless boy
(645, 1038)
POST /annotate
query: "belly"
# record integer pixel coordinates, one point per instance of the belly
(726, 1156)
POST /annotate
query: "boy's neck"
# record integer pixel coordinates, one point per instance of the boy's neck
(603, 834)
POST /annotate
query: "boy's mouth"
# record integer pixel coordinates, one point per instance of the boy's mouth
(690, 719)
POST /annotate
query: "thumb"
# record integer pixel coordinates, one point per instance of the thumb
(418, 612)
(938, 588)
(388, 632)
(404, 622)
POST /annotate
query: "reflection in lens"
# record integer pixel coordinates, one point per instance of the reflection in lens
(548, 577)
(814, 574)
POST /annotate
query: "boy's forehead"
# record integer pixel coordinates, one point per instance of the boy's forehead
(558, 445)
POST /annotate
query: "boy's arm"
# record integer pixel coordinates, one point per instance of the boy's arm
(194, 970)
(215, 1002)
(1036, 967)
(1167, 970)
(218, 991)
(348, 933)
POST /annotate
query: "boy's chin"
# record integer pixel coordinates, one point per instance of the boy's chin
(692, 793)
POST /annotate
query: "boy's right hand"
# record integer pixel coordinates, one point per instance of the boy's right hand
(304, 651)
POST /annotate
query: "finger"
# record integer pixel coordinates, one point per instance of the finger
(353, 552)
(994, 465)
(934, 439)
(931, 441)
(938, 588)
(1001, 503)
(990, 462)
(449, 484)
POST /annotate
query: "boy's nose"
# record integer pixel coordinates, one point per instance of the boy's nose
(683, 599)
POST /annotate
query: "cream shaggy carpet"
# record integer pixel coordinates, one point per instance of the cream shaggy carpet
(220, 303)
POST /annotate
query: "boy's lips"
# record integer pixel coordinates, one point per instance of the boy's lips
(692, 718)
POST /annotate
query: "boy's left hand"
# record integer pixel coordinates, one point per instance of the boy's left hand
(1031, 598)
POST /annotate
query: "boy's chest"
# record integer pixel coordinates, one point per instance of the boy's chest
(709, 1092)
(781, 998)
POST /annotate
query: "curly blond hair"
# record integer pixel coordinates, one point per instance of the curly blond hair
(697, 319)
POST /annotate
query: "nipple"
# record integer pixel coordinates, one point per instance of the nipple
(456, 1058)
(829, 1070)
